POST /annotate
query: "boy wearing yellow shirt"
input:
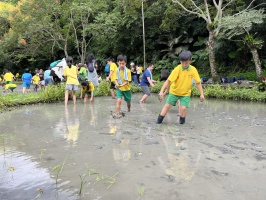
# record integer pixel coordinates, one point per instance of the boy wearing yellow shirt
(87, 89)
(180, 81)
(111, 77)
(35, 81)
(122, 78)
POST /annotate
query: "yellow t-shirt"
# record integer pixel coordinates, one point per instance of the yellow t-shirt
(35, 79)
(72, 75)
(141, 70)
(127, 86)
(7, 86)
(113, 67)
(17, 75)
(85, 89)
(181, 80)
(8, 76)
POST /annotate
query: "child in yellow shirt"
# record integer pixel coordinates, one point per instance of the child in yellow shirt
(35, 81)
(87, 89)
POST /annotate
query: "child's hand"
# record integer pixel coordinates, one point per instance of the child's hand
(160, 96)
(201, 98)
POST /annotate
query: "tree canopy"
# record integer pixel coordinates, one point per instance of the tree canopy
(34, 33)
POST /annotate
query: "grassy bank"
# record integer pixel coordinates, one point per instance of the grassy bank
(56, 94)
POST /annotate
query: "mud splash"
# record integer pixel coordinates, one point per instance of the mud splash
(218, 154)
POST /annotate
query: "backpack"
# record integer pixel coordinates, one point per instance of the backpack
(91, 66)
(107, 68)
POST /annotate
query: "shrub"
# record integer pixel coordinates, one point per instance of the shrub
(103, 89)
(56, 94)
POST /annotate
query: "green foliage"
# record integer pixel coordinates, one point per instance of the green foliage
(56, 94)
(241, 23)
(157, 87)
(231, 92)
(53, 94)
(103, 89)
(251, 76)
(253, 42)
(135, 88)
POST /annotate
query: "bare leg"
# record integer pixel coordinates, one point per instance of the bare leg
(74, 97)
(66, 97)
(143, 99)
(112, 93)
(183, 111)
(118, 106)
(165, 109)
(128, 106)
(85, 98)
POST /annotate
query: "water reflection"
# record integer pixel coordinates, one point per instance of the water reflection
(121, 151)
(19, 173)
(178, 162)
(72, 126)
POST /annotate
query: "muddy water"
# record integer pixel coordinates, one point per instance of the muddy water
(218, 154)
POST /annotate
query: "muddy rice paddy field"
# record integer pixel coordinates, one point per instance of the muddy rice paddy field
(81, 152)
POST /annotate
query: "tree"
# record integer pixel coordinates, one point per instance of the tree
(212, 14)
(79, 17)
(241, 24)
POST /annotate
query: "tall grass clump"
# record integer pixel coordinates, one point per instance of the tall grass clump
(103, 89)
(231, 93)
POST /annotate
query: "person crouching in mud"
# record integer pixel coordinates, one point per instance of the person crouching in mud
(180, 81)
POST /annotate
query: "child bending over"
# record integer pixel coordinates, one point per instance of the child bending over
(87, 89)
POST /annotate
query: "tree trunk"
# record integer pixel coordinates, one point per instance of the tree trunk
(65, 49)
(211, 45)
(256, 59)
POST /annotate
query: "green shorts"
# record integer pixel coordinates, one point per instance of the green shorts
(8, 82)
(125, 94)
(172, 99)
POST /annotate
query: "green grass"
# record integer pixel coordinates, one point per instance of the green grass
(56, 94)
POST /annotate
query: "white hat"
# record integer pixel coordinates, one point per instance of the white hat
(131, 64)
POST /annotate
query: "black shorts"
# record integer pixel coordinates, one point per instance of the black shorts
(112, 86)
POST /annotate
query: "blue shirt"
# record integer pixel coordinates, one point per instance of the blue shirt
(47, 74)
(26, 77)
(144, 80)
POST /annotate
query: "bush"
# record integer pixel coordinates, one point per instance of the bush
(103, 89)
(56, 94)
(251, 76)
(233, 93)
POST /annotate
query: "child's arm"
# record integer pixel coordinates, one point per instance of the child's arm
(166, 91)
(150, 81)
(201, 91)
(118, 86)
(162, 93)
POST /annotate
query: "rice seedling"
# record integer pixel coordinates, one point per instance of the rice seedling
(40, 191)
(58, 170)
(42, 152)
(141, 190)
(82, 183)
(91, 171)
(110, 180)
(215, 127)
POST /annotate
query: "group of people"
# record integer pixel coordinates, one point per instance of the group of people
(177, 83)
